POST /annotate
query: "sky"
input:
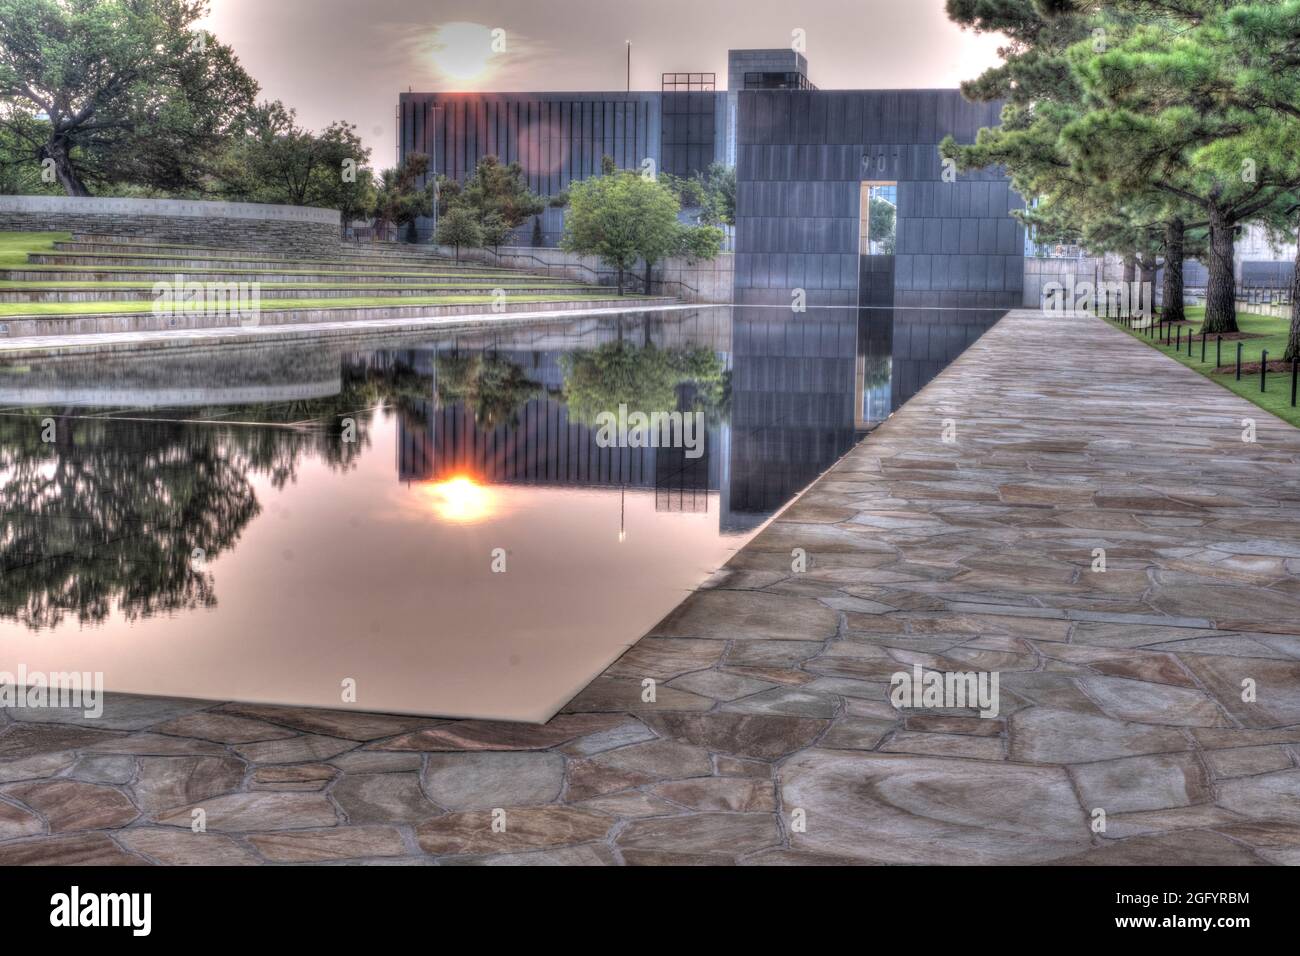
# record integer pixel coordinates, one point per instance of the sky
(349, 59)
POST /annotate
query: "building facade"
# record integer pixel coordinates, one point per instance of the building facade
(842, 198)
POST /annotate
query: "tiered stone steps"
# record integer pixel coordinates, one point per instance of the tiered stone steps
(58, 288)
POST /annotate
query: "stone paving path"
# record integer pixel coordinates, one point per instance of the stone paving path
(772, 739)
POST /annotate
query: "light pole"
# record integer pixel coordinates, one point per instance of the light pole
(629, 65)
(433, 169)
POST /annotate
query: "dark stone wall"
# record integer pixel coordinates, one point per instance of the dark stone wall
(315, 233)
(688, 145)
(801, 158)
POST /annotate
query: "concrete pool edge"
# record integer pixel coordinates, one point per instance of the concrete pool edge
(54, 346)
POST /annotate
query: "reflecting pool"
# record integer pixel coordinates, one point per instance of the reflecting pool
(436, 523)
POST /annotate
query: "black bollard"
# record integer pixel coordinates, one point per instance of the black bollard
(1202, 348)
(1263, 370)
(1218, 351)
(1295, 376)
(1178, 343)
(1239, 361)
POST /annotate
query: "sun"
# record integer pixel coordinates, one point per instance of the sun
(463, 51)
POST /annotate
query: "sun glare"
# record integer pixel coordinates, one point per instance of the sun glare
(463, 51)
(460, 500)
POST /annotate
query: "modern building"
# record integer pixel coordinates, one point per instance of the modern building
(842, 197)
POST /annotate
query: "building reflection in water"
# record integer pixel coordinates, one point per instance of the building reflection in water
(801, 390)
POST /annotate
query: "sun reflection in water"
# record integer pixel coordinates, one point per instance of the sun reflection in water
(460, 499)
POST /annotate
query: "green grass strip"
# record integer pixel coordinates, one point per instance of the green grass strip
(1272, 334)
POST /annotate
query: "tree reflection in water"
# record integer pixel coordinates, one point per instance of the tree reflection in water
(110, 515)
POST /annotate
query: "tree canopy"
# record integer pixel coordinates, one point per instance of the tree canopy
(1138, 126)
(118, 92)
(399, 197)
(622, 217)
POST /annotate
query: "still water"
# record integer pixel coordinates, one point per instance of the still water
(432, 520)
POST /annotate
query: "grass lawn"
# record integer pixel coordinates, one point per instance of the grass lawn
(477, 282)
(1272, 334)
(477, 286)
(262, 268)
(14, 246)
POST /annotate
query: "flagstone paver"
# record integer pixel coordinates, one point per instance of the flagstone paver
(1162, 690)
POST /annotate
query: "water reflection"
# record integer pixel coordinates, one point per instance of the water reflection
(332, 491)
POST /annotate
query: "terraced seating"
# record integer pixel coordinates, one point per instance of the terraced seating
(53, 283)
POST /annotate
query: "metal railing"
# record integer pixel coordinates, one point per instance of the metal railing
(688, 82)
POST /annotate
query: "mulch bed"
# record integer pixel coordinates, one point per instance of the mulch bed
(1253, 368)
(1210, 336)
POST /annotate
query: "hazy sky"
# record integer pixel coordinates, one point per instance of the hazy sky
(348, 59)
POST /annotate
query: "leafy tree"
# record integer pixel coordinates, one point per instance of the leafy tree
(118, 92)
(537, 239)
(495, 191)
(1123, 110)
(1162, 117)
(346, 182)
(1263, 39)
(399, 199)
(721, 180)
(713, 193)
(621, 217)
(458, 227)
(494, 230)
(277, 161)
(1041, 97)
(882, 219)
(20, 175)
(698, 242)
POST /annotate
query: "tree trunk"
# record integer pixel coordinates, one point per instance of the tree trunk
(1146, 296)
(57, 150)
(620, 280)
(1220, 294)
(1172, 292)
(1293, 341)
(647, 277)
(1123, 301)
